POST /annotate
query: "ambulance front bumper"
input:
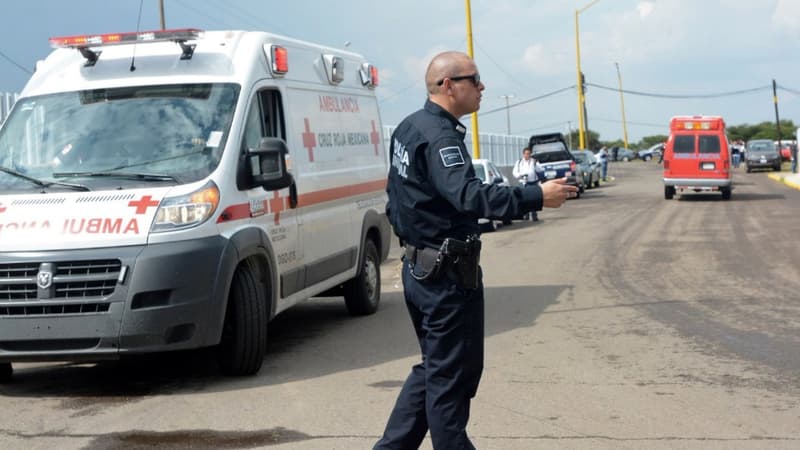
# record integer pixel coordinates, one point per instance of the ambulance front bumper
(101, 303)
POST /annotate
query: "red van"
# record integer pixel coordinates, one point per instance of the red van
(697, 157)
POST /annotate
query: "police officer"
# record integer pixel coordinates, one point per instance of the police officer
(435, 201)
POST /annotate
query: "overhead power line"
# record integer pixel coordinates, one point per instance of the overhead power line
(512, 105)
(488, 56)
(787, 89)
(8, 58)
(684, 96)
(204, 14)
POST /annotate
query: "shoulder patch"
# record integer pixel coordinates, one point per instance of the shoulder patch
(451, 156)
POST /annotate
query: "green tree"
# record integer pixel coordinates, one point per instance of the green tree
(592, 139)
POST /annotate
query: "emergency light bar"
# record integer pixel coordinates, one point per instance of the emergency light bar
(84, 41)
(697, 123)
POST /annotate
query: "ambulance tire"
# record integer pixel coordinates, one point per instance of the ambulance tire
(244, 335)
(363, 293)
(6, 371)
(726, 193)
(669, 192)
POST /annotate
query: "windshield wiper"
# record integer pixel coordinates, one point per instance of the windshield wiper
(126, 175)
(43, 184)
(168, 158)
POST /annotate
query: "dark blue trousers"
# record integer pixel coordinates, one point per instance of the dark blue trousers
(449, 323)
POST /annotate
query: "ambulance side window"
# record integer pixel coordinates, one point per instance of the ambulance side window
(253, 130)
(265, 119)
(271, 103)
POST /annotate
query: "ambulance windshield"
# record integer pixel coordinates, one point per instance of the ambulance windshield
(174, 130)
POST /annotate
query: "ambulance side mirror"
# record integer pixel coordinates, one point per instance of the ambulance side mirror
(266, 165)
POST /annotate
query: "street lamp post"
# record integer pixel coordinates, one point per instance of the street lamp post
(476, 142)
(508, 113)
(580, 82)
(622, 104)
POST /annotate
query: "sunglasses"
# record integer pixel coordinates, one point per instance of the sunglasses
(475, 77)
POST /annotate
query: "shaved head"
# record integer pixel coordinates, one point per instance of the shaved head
(443, 65)
(454, 83)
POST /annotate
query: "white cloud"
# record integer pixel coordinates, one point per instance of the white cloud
(416, 66)
(787, 16)
(541, 61)
(645, 8)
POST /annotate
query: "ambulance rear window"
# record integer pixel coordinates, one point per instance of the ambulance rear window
(683, 144)
(708, 144)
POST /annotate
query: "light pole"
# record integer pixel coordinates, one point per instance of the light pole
(580, 83)
(161, 11)
(476, 142)
(508, 113)
(622, 104)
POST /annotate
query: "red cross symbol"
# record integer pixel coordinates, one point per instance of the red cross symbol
(309, 140)
(2, 208)
(276, 205)
(375, 137)
(142, 205)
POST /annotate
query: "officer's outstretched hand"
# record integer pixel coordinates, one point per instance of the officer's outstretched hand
(556, 192)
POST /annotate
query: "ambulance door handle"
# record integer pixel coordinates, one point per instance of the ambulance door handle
(293, 194)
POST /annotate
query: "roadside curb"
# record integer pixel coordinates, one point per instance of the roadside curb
(785, 180)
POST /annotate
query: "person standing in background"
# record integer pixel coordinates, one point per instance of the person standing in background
(525, 172)
(603, 155)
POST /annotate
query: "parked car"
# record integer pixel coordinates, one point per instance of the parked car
(621, 154)
(589, 167)
(488, 173)
(762, 154)
(555, 160)
(654, 151)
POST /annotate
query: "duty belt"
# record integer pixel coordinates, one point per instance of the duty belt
(460, 259)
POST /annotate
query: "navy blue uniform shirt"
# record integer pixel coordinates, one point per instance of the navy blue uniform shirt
(433, 191)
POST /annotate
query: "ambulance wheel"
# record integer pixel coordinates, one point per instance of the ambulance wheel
(597, 183)
(6, 371)
(726, 194)
(244, 333)
(669, 192)
(363, 293)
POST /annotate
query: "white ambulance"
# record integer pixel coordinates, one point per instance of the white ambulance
(178, 189)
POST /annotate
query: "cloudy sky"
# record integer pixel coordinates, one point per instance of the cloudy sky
(674, 56)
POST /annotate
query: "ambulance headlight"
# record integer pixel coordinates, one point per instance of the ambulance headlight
(186, 211)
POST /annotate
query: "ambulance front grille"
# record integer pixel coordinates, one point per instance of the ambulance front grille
(71, 280)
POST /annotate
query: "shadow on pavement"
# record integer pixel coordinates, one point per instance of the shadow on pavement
(313, 339)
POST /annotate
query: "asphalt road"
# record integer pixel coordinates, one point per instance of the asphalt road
(621, 320)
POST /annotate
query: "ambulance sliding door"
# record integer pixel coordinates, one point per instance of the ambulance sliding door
(326, 161)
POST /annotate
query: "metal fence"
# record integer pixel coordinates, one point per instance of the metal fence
(502, 149)
(7, 100)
